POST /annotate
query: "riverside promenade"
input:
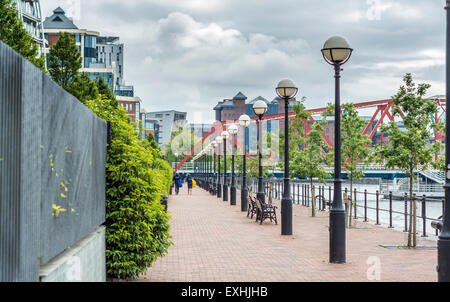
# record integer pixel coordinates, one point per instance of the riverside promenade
(216, 242)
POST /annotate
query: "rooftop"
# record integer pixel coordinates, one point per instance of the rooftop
(59, 20)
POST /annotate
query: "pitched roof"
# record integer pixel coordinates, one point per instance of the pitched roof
(240, 96)
(59, 20)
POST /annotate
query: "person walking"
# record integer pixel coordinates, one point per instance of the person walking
(176, 180)
(189, 183)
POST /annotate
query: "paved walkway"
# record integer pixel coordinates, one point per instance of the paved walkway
(215, 242)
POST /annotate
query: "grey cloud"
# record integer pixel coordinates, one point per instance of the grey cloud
(187, 56)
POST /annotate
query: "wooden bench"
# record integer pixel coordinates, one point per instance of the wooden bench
(251, 206)
(264, 211)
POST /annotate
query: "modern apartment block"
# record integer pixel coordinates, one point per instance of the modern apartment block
(86, 41)
(167, 121)
(30, 14)
(110, 55)
(133, 107)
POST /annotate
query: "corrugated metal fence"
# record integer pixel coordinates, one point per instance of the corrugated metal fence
(52, 152)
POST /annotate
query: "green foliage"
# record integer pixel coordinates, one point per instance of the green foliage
(310, 160)
(354, 148)
(83, 88)
(64, 60)
(13, 33)
(409, 149)
(106, 93)
(137, 228)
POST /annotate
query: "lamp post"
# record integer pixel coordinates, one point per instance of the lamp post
(444, 237)
(244, 122)
(208, 186)
(260, 108)
(336, 51)
(287, 90)
(213, 168)
(225, 135)
(233, 130)
(219, 185)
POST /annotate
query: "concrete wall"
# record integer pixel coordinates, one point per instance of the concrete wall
(83, 262)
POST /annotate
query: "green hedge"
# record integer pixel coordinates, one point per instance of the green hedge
(137, 228)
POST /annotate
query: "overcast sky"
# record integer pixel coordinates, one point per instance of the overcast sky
(187, 55)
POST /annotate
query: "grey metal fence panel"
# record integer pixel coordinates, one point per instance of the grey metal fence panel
(48, 141)
(73, 157)
(10, 108)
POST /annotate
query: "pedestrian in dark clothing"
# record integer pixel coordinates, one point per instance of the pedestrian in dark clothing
(176, 180)
(189, 182)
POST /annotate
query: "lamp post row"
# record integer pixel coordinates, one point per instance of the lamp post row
(336, 52)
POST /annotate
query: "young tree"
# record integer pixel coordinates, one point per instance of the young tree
(13, 33)
(354, 149)
(409, 149)
(64, 61)
(312, 159)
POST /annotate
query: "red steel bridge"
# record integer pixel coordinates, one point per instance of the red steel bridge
(382, 113)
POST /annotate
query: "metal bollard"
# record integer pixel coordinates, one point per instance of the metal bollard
(164, 199)
(390, 210)
(354, 198)
(424, 215)
(378, 209)
(365, 206)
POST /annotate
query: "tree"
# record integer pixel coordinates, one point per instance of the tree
(310, 161)
(14, 34)
(353, 149)
(64, 61)
(83, 88)
(409, 148)
(105, 92)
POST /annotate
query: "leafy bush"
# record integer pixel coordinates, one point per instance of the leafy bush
(137, 229)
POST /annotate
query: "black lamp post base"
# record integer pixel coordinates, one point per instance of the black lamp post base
(261, 196)
(443, 267)
(233, 195)
(219, 191)
(286, 216)
(244, 201)
(225, 192)
(337, 236)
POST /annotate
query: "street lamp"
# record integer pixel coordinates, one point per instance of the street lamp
(213, 170)
(225, 135)
(286, 90)
(244, 122)
(219, 185)
(444, 236)
(336, 51)
(260, 108)
(233, 130)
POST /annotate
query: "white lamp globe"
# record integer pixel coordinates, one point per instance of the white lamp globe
(244, 120)
(336, 50)
(286, 89)
(233, 129)
(260, 108)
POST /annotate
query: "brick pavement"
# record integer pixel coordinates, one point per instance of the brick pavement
(215, 242)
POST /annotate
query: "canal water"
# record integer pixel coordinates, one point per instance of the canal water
(433, 207)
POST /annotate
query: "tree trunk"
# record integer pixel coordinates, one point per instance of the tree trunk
(313, 202)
